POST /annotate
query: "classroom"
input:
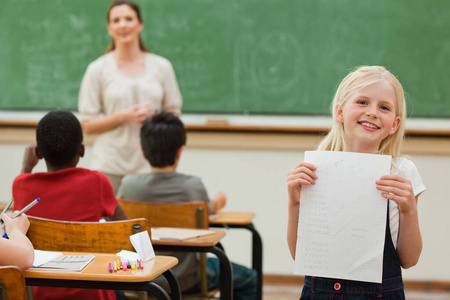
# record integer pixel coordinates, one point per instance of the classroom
(256, 77)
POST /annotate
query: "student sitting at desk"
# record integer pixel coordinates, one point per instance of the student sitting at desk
(162, 139)
(17, 250)
(67, 193)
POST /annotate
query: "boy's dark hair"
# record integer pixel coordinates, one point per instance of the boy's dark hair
(59, 137)
(161, 137)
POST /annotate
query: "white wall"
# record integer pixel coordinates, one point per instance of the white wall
(255, 180)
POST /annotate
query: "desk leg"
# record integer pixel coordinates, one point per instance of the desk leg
(226, 274)
(173, 283)
(257, 258)
(257, 252)
(157, 291)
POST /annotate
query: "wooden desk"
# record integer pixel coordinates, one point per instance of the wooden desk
(207, 243)
(96, 276)
(244, 220)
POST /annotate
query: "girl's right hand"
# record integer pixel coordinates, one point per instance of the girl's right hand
(301, 174)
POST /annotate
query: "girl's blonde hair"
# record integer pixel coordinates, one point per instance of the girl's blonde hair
(361, 77)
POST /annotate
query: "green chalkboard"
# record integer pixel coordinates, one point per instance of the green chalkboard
(234, 56)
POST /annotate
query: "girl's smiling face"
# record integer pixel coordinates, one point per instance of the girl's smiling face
(368, 117)
(124, 25)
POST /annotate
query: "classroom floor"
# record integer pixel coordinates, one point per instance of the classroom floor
(290, 292)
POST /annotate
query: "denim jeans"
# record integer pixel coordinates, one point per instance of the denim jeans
(334, 289)
(244, 280)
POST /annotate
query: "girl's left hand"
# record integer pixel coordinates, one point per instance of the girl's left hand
(398, 189)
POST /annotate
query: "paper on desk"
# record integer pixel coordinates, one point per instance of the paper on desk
(342, 218)
(42, 257)
(128, 255)
(178, 234)
(142, 244)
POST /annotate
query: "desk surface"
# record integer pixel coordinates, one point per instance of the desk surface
(98, 270)
(209, 240)
(231, 217)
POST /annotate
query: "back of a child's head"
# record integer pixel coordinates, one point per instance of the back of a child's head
(161, 137)
(359, 78)
(59, 137)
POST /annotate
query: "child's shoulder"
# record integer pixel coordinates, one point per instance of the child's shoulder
(83, 172)
(404, 164)
(189, 178)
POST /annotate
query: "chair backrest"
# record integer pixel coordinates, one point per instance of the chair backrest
(100, 237)
(181, 215)
(12, 283)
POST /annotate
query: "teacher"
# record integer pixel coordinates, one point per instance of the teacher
(122, 88)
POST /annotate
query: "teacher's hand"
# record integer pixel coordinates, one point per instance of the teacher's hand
(138, 113)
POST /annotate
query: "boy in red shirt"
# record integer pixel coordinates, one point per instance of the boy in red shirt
(67, 193)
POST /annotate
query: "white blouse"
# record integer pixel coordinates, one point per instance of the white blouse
(106, 90)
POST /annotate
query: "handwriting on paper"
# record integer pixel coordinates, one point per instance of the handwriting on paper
(342, 219)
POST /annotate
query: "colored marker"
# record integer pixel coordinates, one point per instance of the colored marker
(124, 265)
(115, 266)
(33, 203)
(110, 268)
(132, 265)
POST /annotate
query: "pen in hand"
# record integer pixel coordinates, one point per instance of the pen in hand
(6, 208)
(33, 203)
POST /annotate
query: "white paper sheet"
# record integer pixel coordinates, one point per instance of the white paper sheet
(128, 255)
(142, 244)
(42, 257)
(342, 219)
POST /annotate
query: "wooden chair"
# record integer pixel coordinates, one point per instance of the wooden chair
(179, 215)
(99, 237)
(12, 283)
(105, 237)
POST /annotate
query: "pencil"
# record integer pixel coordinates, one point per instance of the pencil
(7, 207)
(33, 203)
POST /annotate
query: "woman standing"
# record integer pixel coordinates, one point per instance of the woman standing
(121, 89)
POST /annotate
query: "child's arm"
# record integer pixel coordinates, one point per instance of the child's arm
(30, 159)
(17, 250)
(119, 214)
(218, 202)
(301, 174)
(399, 189)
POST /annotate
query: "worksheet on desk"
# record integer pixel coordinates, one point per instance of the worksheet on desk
(342, 218)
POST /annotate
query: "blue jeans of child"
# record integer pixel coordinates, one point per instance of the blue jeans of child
(244, 280)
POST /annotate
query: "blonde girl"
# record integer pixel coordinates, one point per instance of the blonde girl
(369, 113)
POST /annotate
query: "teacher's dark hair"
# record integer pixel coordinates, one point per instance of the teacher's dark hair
(59, 137)
(134, 7)
(161, 137)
